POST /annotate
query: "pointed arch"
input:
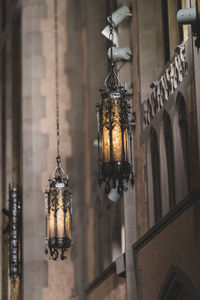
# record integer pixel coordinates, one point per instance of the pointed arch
(163, 170)
(170, 158)
(155, 162)
(181, 153)
(177, 286)
(183, 125)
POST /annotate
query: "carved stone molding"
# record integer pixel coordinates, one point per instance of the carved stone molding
(165, 86)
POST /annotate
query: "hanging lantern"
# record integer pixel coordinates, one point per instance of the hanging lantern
(14, 230)
(58, 196)
(59, 214)
(114, 132)
(115, 137)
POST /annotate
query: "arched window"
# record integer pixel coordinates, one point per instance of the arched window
(170, 159)
(183, 125)
(181, 152)
(177, 286)
(155, 161)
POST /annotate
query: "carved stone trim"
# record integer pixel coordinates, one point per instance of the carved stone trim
(166, 86)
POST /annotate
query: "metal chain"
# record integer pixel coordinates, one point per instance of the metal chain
(56, 75)
(112, 80)
(111, 36)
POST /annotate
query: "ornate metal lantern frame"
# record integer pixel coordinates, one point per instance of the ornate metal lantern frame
(59, 214)
(114, 135)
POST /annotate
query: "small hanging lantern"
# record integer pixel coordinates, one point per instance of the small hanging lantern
(114, 132)
(59, 213)
(58, 196)
(14, 230)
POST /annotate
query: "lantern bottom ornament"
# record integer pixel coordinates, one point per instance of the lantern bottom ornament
(59, 214)
(117, 173)
(54, 244)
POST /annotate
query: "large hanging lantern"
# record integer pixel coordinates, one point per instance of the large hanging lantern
(14, 230)
(58, 196)
(59, 214)
(114, 130)
(114, 135)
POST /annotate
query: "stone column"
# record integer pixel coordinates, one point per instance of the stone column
(196, 54)
(34, 150)
(5, 158)
(6, 107)
(1, 160)
(131, 234)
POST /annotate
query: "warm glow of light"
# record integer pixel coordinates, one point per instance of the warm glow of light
(51, 223)
(126, 157)
(106, 138)
(60, 215)
(116, 132)
(106, 145)
(198, 9)
(67, 223)
(63, 219)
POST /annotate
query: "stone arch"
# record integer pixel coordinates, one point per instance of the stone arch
(177, 286)
(169, 148)
(183, 125)
(181, 158)
(151, 217)
(155, 163)
(164, 178)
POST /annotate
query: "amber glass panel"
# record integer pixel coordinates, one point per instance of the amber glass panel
(51, 220)
(60, 215)
(67, 224)
(198, 9)
(106, 138)
(126, 158)
(106, 145)
(116, 132)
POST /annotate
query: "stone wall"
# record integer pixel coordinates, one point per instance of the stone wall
(176, 246)
(35, 144)
(113, 288)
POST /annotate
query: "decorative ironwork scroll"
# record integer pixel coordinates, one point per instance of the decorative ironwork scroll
(14, 228)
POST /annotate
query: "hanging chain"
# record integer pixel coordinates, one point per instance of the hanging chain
(111, 36)
(112, 79)
(57, 77)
